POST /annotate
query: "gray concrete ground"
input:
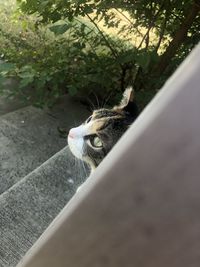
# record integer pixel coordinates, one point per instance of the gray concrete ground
(29, 206)
(38, 173)
(9, 105)
(29, 136)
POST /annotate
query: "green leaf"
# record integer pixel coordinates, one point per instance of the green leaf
(72, 90)
(126, 57)
(25, 82)
(6, 67)
(60, 29)
(40, 83)
(26, 75)
(143, 60)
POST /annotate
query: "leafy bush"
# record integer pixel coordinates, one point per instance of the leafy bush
(60, 46)
(50, 60)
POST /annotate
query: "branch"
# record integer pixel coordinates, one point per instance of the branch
(121, 13)
(145, 36)
(151, 25)
(147, 41)
(162, 31)
(92, 30)
(114, 53)
(177, 40)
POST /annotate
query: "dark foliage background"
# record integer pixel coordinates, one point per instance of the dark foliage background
(89, 48)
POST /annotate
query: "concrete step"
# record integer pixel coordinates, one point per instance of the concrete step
(28, 207)
(10, 104)
(29, 136)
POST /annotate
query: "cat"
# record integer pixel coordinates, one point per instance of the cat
(92, 140)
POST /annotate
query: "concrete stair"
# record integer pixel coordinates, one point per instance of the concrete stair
(38, 174)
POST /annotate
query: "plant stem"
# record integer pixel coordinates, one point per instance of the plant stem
(114, 53)
(151, 24)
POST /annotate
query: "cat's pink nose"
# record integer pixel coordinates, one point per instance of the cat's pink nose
(71, 134)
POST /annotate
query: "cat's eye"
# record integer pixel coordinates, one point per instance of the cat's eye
(89, 119)
(96, 142)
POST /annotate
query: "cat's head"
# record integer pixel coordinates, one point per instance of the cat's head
(92, 140)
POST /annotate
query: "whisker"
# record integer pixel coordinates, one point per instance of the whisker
(97, 100)
(92, 104)
(107, 98)
(92, 158)
(102, 104)
(83, 164)
(78, 167)
(80, 171)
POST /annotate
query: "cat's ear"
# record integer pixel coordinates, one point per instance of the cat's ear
(128, 96)
(128, 102)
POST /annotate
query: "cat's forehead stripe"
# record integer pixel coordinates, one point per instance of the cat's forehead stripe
(96, 125)
(104, 113)
(99, 124)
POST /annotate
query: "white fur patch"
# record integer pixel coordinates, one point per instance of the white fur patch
(76, 139)
(76, 146)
